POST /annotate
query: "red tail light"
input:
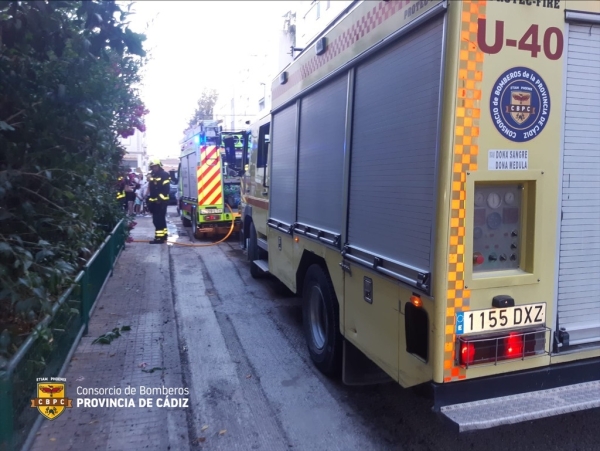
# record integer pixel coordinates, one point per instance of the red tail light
(513, 345)
(498, 347)
(467, 353)
(211, 218)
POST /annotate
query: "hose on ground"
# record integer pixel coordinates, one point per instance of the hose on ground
(193, 233)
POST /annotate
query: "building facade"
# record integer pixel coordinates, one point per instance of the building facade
(136, 155)
(314, 16)
(248, 96)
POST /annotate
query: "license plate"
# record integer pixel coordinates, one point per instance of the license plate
(211, 211)
(490, 320)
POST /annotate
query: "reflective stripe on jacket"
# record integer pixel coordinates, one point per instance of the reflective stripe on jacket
(159, 186)
(120, 188)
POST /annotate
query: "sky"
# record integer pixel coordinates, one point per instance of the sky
(195, 45)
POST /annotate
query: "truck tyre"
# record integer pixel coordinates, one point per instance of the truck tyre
(185, 221)
(194, 224)
(242, 237)
(254, 252)
(320, 313)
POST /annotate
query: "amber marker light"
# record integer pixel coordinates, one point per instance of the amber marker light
(416, 301)
(296, 239)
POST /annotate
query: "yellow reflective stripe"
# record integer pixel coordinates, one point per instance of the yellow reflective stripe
(163, 196)
(152, 199)
(166, 181)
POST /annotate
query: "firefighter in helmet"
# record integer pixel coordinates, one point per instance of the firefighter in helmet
(158, 199)
(121, 190)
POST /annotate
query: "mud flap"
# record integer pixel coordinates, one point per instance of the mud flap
(358, 369)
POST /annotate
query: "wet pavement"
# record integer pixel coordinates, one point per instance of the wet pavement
(236, 343)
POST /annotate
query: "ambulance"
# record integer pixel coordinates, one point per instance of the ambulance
(428, 181)
(209, 178)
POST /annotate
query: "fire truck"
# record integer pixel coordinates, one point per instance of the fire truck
(209, 178)
(428, 183)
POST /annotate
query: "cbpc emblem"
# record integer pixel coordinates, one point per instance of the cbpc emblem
(520, 104)
(51, 399)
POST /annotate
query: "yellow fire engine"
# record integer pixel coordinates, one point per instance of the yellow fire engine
(428, 182)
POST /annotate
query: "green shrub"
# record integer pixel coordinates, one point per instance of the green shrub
(68, 72)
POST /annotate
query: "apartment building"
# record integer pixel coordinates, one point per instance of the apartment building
(136, 156)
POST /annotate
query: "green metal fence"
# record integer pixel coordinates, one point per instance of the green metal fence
(46, 350)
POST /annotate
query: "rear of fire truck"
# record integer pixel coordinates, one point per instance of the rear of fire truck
(204, 204)
(433, 195)
(522, 304)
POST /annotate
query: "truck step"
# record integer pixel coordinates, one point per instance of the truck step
(262, 243)
(263, 265)
(493, 412)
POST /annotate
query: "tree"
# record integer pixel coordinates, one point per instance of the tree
(68, 72)
(206, 105)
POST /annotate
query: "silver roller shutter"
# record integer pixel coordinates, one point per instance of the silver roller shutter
(185, 179)
(579, 262)
(283, 179)
(321, 157)
(394, 140)
(192, 161)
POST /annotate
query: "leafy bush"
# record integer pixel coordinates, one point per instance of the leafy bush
(68, 72)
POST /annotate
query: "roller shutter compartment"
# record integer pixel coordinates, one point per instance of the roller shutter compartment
(283, 169)
(579, 258)
(394, 150)
(321, 157)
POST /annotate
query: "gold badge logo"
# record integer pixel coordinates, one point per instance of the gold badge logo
(51, 399)
(520, 106)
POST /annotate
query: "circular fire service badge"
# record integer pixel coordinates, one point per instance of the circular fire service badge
(520, 104)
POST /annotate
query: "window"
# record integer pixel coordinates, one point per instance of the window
(263, 146)
(246, 149)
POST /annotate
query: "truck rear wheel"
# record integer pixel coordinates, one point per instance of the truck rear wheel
(195, 224)
(320, 313)
(185, 221)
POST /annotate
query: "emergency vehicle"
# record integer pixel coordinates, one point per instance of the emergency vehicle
(429, 182)
(209, 178)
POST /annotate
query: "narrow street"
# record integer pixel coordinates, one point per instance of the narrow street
(245, 361)
(200, 321)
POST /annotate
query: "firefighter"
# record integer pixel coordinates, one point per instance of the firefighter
(121, 190)
(158, 199)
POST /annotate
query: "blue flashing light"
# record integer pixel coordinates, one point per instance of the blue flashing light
(197, 139)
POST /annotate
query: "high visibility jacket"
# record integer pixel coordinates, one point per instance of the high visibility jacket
(120, 188)
(159, 186)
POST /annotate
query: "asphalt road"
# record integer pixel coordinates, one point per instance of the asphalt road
(254, 388)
